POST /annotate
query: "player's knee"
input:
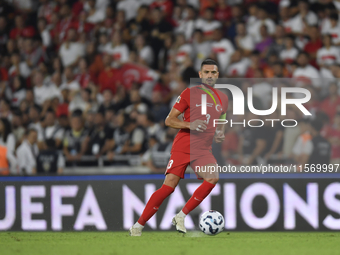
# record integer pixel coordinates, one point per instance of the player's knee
(171, 180)
(213, 180)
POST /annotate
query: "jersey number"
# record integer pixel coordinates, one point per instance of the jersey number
(208, 118)
(170, 164)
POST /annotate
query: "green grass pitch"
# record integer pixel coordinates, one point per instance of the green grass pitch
(164, 243)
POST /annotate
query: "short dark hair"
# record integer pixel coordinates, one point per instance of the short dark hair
(317, 124)
(30, 130)
(334, 16)
(209, 61)
(50, 143)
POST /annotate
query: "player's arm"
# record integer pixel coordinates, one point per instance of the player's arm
(173, 122)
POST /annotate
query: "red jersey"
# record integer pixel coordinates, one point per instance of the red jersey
(189, 103)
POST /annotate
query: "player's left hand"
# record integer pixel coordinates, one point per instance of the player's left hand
(219, 137)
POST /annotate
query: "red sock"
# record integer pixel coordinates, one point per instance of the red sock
(154, 203)
(199, 195)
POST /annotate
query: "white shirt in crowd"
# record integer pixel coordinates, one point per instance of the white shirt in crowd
(247, 42)
(27, 154)
(329, 56)
(238, 68)
(10, 146)
(130, 7)
(73, 86)
(302, 146)
(46, 38)
(37, 126)
(45, 92)
(24, 70)
(202, 51)
(288, 25)
(254, 28)
(97, 17)
(334, 32)
(146, 54)
(71, 54)
(223, 50)
(289, 55)
(298, 24)
(184, 51)
(119, 53)
(53, 132)
(207, 27)
(307, 74)
(186, 27)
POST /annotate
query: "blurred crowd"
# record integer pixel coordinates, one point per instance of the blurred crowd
(97, 78)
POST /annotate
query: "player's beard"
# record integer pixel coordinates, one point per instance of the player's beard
(209, 81)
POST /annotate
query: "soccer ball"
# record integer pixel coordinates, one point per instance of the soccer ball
(211, 222)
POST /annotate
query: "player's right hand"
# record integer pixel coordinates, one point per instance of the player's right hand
(198, 125)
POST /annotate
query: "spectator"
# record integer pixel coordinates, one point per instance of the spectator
(334, 138)
(223, 49)
(243, 40)
(207, 24)
(145, 53)
(76, 138)
(136, 102)
(202, 49)
(20, 30)
(83, 77)
(331, 104)
(183, 49)
(239, 65)
(304, 18)
(314, 44)
(44, 33)
(252, 143)
(266, 40)
(328, 54)
(117, 49)
(159, 109)
(95, 15)
(7, 140)
(100, 137)
(18, 91)
(334, 29)
(34, 117)
(70, 82)
(32, 55)
(318, 149)
(303, 142)
(106, 78)
(50, 160)
(289, 53)
(27, 153)
(17, 128)
(43, 92)
(186, 25)
(18, 67)
(70, 51)
(147, 122)
(139, 24)
(256, 29)
(52, 130)
(306, 73)
(136, 143)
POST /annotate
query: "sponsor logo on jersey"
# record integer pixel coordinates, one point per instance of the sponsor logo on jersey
(178, 99)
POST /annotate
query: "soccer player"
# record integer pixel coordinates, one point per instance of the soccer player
(192, 145)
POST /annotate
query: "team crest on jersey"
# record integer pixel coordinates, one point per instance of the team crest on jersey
(178, 99)
(218, 108)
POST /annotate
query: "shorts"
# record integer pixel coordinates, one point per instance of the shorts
(179, 162)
